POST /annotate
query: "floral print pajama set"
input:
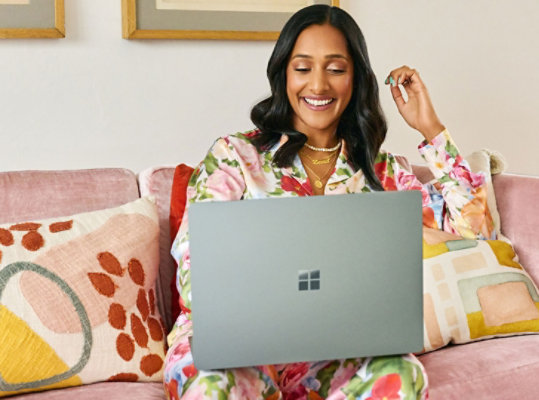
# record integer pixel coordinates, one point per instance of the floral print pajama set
(234, 169)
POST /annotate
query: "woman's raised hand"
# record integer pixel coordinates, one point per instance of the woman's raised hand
(417, 111)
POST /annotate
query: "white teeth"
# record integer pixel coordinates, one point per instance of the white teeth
(318, 103)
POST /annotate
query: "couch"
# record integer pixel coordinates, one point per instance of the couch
(500, 368)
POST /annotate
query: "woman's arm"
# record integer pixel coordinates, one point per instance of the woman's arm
(465, 211)
(457, 200)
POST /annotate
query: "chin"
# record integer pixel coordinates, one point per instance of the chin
(320, 127)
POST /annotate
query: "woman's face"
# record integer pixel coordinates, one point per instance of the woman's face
(319, 80)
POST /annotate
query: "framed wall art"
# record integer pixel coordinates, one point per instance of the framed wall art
(209, 19)
(32, 19)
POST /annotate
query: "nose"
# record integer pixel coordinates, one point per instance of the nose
(319, 82)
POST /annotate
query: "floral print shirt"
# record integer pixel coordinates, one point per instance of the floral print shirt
(234, 169)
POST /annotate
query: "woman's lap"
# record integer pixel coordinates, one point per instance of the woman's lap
(393, 377)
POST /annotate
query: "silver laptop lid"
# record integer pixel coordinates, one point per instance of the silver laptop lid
(306, 279)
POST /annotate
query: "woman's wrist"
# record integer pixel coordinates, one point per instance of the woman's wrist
(431, 132)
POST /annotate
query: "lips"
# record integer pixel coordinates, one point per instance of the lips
(319, 104)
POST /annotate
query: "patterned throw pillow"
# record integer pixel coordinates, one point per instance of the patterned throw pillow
(474, 289)
(178, 200)
(77, 300)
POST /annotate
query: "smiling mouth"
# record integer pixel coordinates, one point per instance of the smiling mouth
(318, 103)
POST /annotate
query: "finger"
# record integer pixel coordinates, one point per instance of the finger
(392, 77)
(406, 76)
(399, 75)
(390, 80)
(398, 70)
(397, 96)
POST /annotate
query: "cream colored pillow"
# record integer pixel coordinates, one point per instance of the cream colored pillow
(490, 163)
(77, 300)
(473, 290)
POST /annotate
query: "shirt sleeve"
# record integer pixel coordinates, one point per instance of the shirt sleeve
(457, 196)
(456, 199)
(217, 178)
(464, 193)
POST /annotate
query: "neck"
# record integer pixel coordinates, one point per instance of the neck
(323, 136)
(322, 140)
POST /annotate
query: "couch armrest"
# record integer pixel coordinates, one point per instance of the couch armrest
(517, 196)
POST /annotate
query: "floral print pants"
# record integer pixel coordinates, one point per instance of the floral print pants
(379, 378)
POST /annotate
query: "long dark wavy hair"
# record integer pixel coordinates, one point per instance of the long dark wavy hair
(362, 124)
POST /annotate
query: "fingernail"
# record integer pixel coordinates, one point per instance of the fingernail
(387, 80)
(392, 81)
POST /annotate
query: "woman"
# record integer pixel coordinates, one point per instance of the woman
(318, 133)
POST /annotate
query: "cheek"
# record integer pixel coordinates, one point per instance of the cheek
(294, 85)
(291, 88)
(345, 88)
(289, 92)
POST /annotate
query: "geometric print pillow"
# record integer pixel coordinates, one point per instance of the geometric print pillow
(474, 289)
(77, 300)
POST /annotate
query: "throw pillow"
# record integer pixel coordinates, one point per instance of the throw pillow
(178, 199)
(77, 300)
(490, 163)
(474, 289)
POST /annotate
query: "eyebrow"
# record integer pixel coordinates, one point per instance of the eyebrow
(329, 56)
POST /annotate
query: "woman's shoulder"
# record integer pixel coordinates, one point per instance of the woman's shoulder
(235, 146)
(239, 142)
(384, 157)
(245, 137)
(238, 138)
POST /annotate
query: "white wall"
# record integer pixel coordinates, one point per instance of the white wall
(479, 60)
(94, 99)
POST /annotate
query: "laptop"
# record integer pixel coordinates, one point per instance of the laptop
(315, 278)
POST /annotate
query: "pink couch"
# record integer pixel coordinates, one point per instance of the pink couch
(501, 368)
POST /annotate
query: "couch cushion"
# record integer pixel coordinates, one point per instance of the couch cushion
(77, 299)
(103, 390)
(502, 368)
(157, 182)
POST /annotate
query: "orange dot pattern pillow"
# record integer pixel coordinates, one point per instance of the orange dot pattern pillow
(77, 300)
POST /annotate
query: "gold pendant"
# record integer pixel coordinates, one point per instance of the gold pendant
(320, 162)
(318, 184)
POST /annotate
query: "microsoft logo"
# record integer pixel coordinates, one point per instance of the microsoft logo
(309, 279)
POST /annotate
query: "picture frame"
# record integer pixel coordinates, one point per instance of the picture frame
(32, 19)
(209, 19)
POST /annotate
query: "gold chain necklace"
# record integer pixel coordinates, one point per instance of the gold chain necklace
(326, 149)
(321, 161)
(318, 181)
